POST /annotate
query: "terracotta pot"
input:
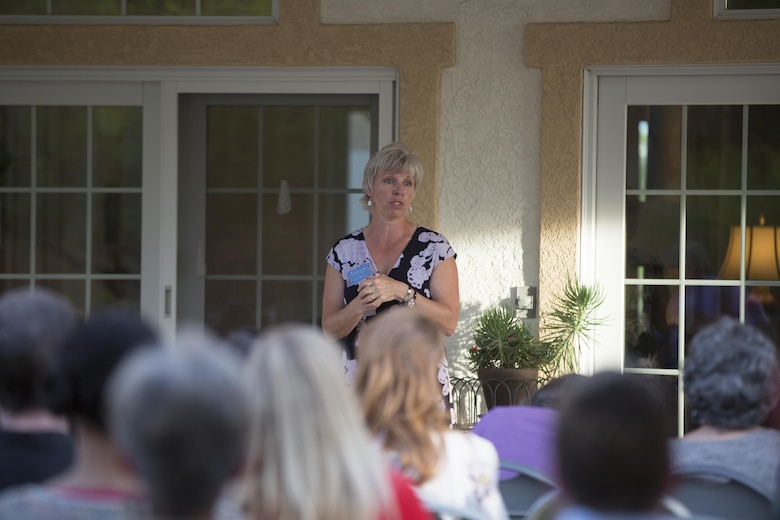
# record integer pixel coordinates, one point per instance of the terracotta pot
(507, 386)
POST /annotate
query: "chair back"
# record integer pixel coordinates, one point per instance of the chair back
(448, 512)
(721, 493)
(522, 490)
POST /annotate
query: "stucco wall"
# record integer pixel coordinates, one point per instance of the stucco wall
(491, 111)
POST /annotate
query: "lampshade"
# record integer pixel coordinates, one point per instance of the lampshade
(762, 254)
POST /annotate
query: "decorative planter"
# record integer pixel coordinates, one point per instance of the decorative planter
(507, 386)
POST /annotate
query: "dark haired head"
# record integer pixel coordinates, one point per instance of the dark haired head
(557, 391)
(90, 356)
(731, 375)
(612, 444)
(33, 325)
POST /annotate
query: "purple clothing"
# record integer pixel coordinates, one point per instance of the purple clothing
(522, 434)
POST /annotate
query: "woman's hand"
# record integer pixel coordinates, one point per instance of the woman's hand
(378, 289)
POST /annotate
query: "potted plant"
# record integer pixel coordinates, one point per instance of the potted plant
(508, 358)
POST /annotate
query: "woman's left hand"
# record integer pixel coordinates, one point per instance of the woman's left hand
(380, 288)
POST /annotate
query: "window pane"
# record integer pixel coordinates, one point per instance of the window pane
(86, 7)
(286, 301)
(709, 221)
(752, 4)
(15, 147)
(157, 8)
(236, 7)
(74, 290)
(231, 233)
(651, 332)
(338, 215)
(15, 232)
(232, 149)
(116, 233)
(667, 390)
(288, 146)
(24, 7)
(763, 151)
(652, 236)
(62, 146)
(61, 233)
(714, 147)
(230, 305)
(705, 305)
(653, 147)
(9, 285)
(116, 293)
(344, 146)
(117, 147)
(287, 238)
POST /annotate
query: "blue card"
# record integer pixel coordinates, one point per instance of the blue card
(359, 273)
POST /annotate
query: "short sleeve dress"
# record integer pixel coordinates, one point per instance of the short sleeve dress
(424, 251)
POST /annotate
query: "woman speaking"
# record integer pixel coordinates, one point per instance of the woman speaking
(391, 261)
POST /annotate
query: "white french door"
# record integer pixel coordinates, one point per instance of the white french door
(682, 170)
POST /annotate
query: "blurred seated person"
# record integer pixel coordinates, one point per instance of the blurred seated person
(731, 383)
(310, 455)
(526, 434)
(612, 449)
(34, 443)
(400, 351)
(99, 483)
(181, 416)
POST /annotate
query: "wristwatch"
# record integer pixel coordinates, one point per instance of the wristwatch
(410, 298)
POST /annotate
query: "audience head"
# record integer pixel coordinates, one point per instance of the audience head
(33, 325)
(394, 157)
(180, 414)
(88, 358)
(612, 445)
(399, 355)
(731, 375)
(310, 455)
(557, 391)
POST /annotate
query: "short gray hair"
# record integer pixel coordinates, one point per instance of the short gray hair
(394, 157)
(731, 375)
(181, 414)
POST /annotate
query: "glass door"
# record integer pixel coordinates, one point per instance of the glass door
(687, 185)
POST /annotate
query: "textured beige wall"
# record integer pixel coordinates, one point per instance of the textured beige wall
(419, 51)
(564, 51)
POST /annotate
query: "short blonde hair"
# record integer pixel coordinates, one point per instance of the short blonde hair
(310, 454)
(396, 378)
(394, 157)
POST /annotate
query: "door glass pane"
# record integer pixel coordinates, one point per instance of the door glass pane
(651, 326)
(337, 213)
(86, 7)
(15, 150)
(287, 301)
(667, 389)
(763, 147)
(155, 7)
(116, 146)
(236, 7)
(74, 290)
(15, 232)
(289, 146)
(62, 146)
(706, 304)
(116, 293)
(231, 233)
(230, 304)
(653, 138)
(61, 229)
(714, 137)
(116, 233)
(708, 220)
(652, 236)
(232, 144)
(752, 4)
(281, 231)
(345, 141)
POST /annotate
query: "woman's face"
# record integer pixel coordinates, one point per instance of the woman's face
(392, 193)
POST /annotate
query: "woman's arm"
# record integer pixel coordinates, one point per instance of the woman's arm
(443, 307)
(338, 320)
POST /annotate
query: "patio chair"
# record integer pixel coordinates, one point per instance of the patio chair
(448, 512)
(521, 491)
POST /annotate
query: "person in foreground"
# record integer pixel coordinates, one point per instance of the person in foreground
(99, 484)
(310, 455)
(731, 381)
(398, 353)
(612, 449)
(389, 262)
(181, 415)
(34, 443)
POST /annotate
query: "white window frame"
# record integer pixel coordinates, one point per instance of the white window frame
(158, 90)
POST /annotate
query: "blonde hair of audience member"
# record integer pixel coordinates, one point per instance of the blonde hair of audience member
(396, 380)
(310, 455)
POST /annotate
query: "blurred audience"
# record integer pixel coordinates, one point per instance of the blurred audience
(731, 383)
(310, 455)
(34, 443)
(400, 351)
(612, 448)
(99, 483)
(181, 416)
(527, 434)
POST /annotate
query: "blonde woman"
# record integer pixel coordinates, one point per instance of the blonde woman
(310, 455)
(399, 352)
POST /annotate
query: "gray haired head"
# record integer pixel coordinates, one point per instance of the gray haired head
(731, 375)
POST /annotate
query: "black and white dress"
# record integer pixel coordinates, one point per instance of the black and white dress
(424, 251)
